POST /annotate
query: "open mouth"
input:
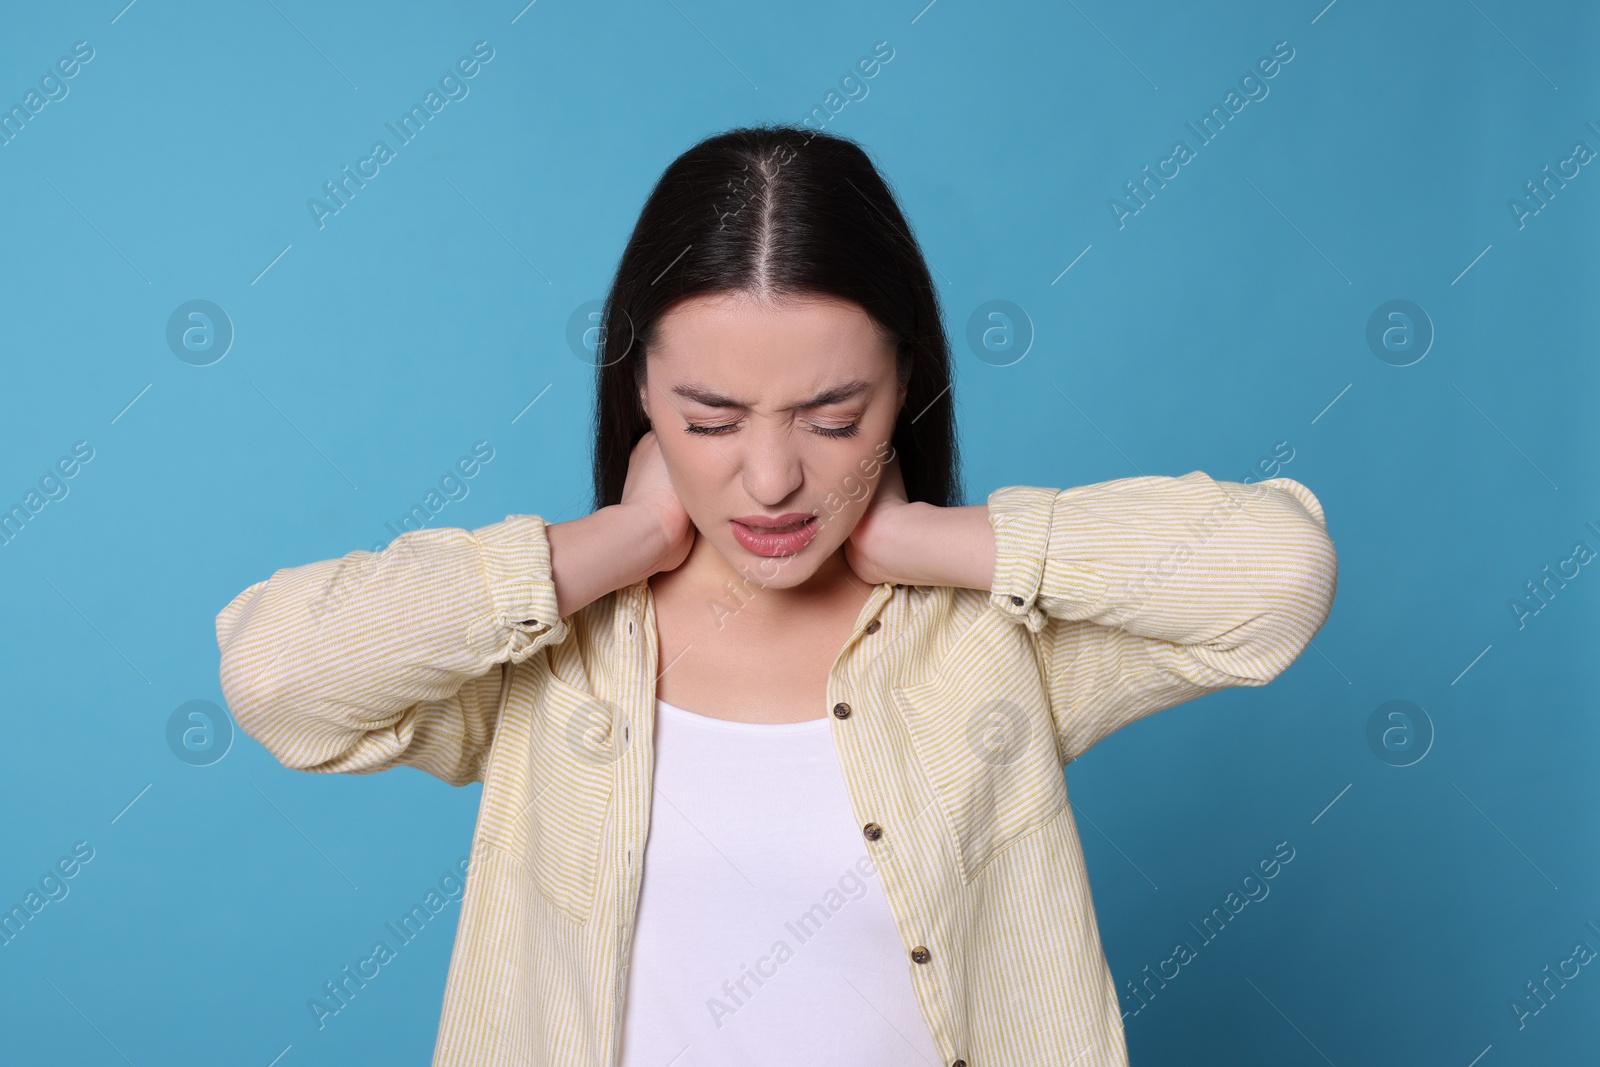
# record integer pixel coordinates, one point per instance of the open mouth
(786, 528)
(782, 540)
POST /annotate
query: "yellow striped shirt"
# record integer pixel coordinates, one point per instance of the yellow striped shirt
(953, 712)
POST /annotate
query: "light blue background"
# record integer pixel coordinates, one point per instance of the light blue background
(1227, 316)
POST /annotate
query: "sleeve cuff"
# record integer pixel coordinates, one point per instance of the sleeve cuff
(516, 563)
(1020, 516)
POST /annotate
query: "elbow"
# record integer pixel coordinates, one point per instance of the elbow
(260, 709)
(239, 670)
(1300, 597)
(304, 732)
(245, 690)
(1310, 594)
(1295, 611)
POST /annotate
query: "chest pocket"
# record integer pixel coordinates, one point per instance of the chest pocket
(550, 782)
(981, 727)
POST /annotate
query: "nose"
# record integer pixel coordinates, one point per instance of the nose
(772, 467)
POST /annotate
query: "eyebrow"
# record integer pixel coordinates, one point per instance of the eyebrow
(832, 395)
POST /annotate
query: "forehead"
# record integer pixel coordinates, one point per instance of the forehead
(768, 349)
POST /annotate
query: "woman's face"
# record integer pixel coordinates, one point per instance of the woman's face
(763, 410)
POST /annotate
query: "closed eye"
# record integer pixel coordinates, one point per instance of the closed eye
(824, 431)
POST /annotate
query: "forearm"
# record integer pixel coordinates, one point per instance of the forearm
(1144, 552)
(355, 663)
(944, 546)
(602, 551)
(1245, 572)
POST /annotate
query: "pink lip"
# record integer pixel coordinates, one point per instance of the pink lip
(763, 543)
(759, 522)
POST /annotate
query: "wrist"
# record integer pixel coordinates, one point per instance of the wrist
(605, 550)
(657, 531)
(946, 546)
(896, 545)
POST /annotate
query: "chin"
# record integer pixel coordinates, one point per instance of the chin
(776, 572)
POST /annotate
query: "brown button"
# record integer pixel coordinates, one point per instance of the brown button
(841, 710)
(872, 831)
(872, 627)
(959, 1063)
(1017, 601)
(920, 955)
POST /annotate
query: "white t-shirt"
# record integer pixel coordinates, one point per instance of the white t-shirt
(764, 935)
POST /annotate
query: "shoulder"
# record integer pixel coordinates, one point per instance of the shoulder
(941, 624)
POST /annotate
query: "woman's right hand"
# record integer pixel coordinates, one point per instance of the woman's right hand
(648, 486)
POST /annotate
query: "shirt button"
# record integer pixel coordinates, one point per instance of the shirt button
(920, 955)
(841, 710)
(872, 627)
(872, 831)
(1017, 601)
(959, 1063)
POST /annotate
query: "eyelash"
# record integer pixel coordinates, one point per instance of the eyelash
(825, 431)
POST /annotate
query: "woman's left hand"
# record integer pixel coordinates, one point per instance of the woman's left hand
(871, 549)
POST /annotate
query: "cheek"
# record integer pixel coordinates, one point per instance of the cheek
(846, 489)
(856, 487)
(697, 472)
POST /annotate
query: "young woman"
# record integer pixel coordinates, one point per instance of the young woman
(771, 742)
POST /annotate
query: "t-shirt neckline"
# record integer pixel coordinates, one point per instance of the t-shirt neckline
(708, 722)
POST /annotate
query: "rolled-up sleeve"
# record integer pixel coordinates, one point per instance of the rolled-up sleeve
(1145, 592)
(377, 659)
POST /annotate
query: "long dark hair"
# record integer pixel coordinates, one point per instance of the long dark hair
(778, 210)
